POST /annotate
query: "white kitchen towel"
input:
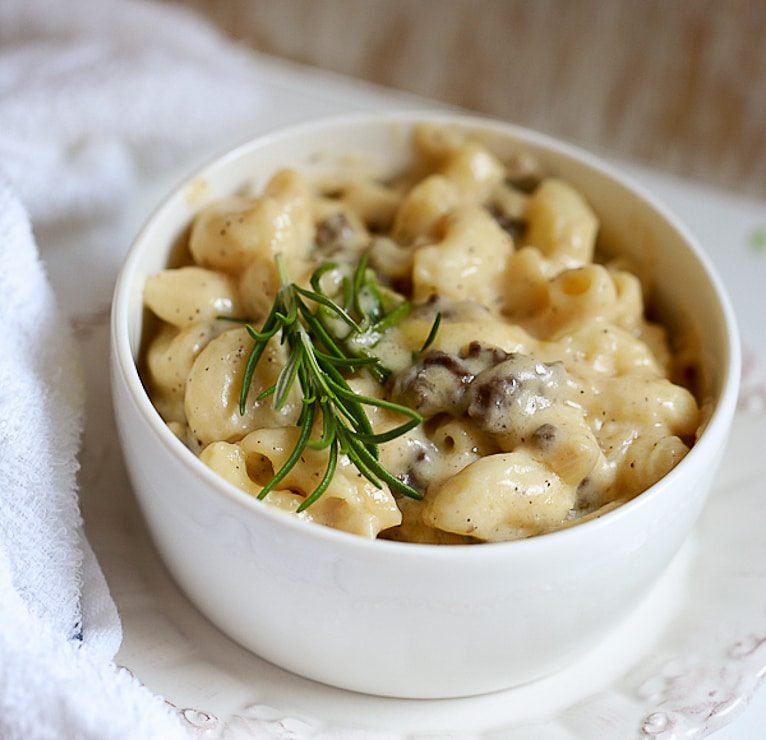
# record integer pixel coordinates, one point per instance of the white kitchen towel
(96, 98)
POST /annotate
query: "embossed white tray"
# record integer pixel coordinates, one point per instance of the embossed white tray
(687, 663)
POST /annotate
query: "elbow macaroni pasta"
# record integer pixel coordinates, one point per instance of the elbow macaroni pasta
(546, 392)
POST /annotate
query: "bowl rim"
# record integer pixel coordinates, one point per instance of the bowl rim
(123, 358)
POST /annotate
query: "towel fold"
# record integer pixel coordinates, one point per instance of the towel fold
(96, 99)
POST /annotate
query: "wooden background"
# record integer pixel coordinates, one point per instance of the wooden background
(676, 84)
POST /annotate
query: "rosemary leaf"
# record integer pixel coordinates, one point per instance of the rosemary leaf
(346, 361)
(351, 448)
(316, 276)
(287, 377)
(294, 455)
(432, 334)
(394, 483)
(262, 336)
(323, 300)
(247, 378)
(359, 275)
(325, 482)
(266, 393)
(328, 430)
(392, 318)
(382, 437)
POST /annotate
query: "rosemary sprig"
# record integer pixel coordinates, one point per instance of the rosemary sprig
(326, 340)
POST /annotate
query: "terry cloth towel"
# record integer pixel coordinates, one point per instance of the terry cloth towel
(95, 97)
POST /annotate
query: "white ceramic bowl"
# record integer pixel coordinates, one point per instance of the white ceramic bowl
(402, 619)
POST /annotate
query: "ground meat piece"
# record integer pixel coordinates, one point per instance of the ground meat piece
(479, 356)
(435, 358)
(417, 474)
(434, 385)
(514, 227)
(333, 233)
(545, 436)
(502, 395)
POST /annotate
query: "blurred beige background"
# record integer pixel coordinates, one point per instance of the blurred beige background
(676, 84)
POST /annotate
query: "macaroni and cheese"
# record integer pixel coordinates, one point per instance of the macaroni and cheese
(546, 394)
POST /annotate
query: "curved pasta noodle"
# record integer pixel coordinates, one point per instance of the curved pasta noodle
(629, 308)
(169, 359)
(561, 224)
(350, 503)
(650, 457)
(500, 497)
(422, 210)
(655, 338)
(458, 444)
(414, 529)
(230, 234)
(190, 295)
(577, 296)
(468, 262)
(475, 172)
(601, 348)
(229, 460)
(645, 402)
(372, 202)
(509, 203)
(242, 236)
(527, 291)
(435, 143)
(390, 259)
(559, 437)
(213, 388)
